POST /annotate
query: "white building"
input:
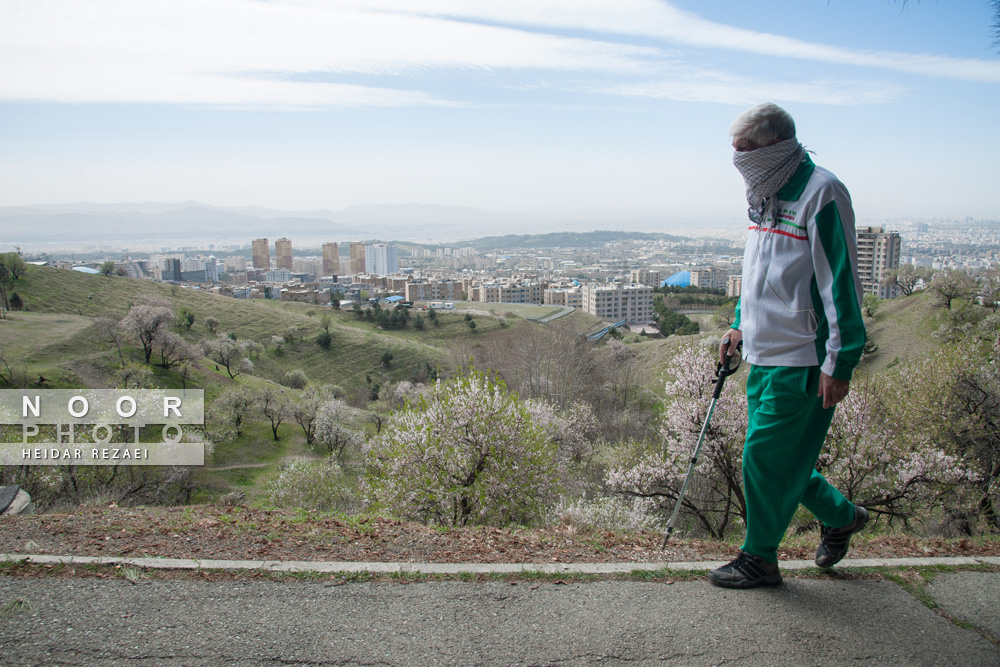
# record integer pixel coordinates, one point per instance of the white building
(647, 276)
(509, 292)
(381, 259)
(630, 302)
(235, 264)
(278, 276)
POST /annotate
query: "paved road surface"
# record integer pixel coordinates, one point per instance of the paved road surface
(820, 621)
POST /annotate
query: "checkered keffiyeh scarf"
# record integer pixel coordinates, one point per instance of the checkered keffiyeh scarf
(765, 171)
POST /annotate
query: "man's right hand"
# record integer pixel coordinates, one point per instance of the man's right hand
(729, 344)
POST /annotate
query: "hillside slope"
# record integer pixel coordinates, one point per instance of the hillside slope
(904, 329)
(58, 336)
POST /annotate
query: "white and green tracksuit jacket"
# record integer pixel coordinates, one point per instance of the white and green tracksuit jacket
(801, 294)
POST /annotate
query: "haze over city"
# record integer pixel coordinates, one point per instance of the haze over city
(541, 115)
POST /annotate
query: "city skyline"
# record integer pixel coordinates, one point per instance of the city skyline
(555, 107)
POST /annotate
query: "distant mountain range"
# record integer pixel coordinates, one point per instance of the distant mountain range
(86, 222)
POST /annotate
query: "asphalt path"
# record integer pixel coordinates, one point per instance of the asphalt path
(805, 621)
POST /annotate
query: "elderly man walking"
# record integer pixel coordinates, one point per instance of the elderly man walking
(799, 319)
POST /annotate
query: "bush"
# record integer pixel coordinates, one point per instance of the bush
(466, 452)
(609, 513)
(295, 379)
(312, 485)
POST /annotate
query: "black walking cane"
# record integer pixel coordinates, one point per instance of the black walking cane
(722, 371)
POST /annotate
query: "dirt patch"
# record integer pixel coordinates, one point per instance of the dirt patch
(242, 533)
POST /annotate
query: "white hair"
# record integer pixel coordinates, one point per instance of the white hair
(764, 124)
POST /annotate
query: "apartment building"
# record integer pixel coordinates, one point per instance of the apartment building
(734, 286)
(235, 264)
(170, 269)
(515, 292)
(198, 270)
(278, 276)
(283, 254)
(381, 259)
(331, 259)
(647, 277)
(564, 297)
(310, 266)
(358, 257)
(709, 278)
(613, 303)
(397, 283)
(261, 254)
(434, 290)
(878, 254)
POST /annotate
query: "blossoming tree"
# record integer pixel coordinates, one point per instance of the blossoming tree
(466, 452)
(715, 495)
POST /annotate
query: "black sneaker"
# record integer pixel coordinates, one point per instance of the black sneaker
(746, 571)
(834, 542)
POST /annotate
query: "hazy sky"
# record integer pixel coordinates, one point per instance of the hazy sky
(610, 107)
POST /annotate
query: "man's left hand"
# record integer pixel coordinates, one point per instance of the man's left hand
(832, 390)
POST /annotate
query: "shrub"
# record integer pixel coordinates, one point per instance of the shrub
(312, 485)
(609, 513)
(295, 379)
(466, 452)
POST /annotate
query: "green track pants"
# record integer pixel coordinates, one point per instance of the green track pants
(785, 433)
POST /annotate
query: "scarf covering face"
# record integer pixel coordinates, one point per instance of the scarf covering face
(765, 171)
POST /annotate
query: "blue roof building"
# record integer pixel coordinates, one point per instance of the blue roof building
(679, 279)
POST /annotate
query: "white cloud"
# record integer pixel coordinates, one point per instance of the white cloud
(308, 54)
(140, 86)
(660, 20)
(187, 51)
(727, 89)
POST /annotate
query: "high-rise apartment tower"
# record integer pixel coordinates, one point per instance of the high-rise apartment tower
(261, 254)
(331, 259)
(381, 259)
(283, 254)
(358, 257)
(878, 254)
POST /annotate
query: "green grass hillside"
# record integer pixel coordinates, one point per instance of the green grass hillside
(57, 336)
(903, 329)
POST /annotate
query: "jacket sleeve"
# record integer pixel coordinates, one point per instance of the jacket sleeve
(736, 318)
(837, 287)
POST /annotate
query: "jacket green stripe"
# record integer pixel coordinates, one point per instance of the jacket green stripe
(844, 297)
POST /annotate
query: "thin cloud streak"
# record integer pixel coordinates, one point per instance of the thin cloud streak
(745, 91)
(660, 20)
